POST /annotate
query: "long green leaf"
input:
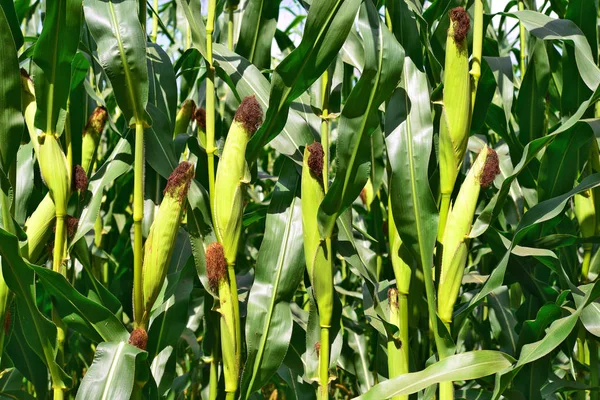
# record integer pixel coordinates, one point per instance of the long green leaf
(11, 119)
(459, 367)
(279, 269)
(257, 30)
(383, 67)
(53, 54)
(41, 333)
(121, 52)
(327, 26)
(112, 374)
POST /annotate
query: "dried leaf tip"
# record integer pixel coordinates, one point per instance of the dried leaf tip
(216, 265)
(315, 159)
(200, 117)
(138, 338)
(79, 179)
(461, 23)
(249, 114)
(490, 169)
(96, 122)
(179, 180)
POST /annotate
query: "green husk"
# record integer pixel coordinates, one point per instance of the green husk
(55, 172)
(38, 229)
(184, 116)
(460, 219)
(91, 138)
(163, 233)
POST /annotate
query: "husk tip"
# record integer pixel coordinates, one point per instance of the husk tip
(179, 180)
(139, 338)
(216, 265)
(490, 169)
(315, 159)
(461, 21)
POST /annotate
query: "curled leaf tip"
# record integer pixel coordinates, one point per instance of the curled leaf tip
(138, 338)
(490, 169)
(461, 23)
(315, 159)
(216, 265)
(96, 122)
(79, 179)
(200, 117)
(179, 180)
(249, 114)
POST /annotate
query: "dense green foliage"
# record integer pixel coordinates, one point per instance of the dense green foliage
(299, 199)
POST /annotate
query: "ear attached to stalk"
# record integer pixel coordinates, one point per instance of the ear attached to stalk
(232, 173)
(216, 269)
(55, 172)
(456, 115)
(481, 175)
(91, 138)
(163, 233)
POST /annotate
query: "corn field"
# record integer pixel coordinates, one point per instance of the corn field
(299, 199)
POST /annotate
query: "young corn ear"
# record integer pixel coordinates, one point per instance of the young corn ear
(200, 118)
(216, 268)
(55, 172)
(318, 261)
(91, 138)
(456, 115)
(454, 255)
(232, 174)
(38, 229)
(29, 107)
(163, 233)
(184, 115)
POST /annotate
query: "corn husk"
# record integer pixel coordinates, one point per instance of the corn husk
(55, 172)
(456, 115)
(38, 229)
(460, 219)
(184, 116)
(91, 138)
(232, 174)
(163, 233)
(318, 259)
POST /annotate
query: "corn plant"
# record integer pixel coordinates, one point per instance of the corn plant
(282, 199)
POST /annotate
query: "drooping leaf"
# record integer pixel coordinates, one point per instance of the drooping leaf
(327, 26)
(121, 52)
(383, 66)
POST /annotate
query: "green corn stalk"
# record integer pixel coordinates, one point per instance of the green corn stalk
(317, 253)
(216, 267)
(91, 136)
(398, 355)
(456, 115)
(163, 233)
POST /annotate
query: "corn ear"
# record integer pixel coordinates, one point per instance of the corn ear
(456, 115)
(184, 115)
(318, 258)
(200, 118)
(454, 255)
(55, 172)
(216, 268)
(163, 232)
(232, 174)
(29, 107)
(38, 229)
(91, 138)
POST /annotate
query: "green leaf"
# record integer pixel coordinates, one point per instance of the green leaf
(77, 311)
(547, 28)
(121, 52)
(162, 89)
(53, 54)
(531, 103)
(11, 118)
(327, 26)
(112, 374)
(8, 6)
(383, 67)
(459, 367)
(41, 333)
(279, 269)
(558, 171)
(257, 31)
